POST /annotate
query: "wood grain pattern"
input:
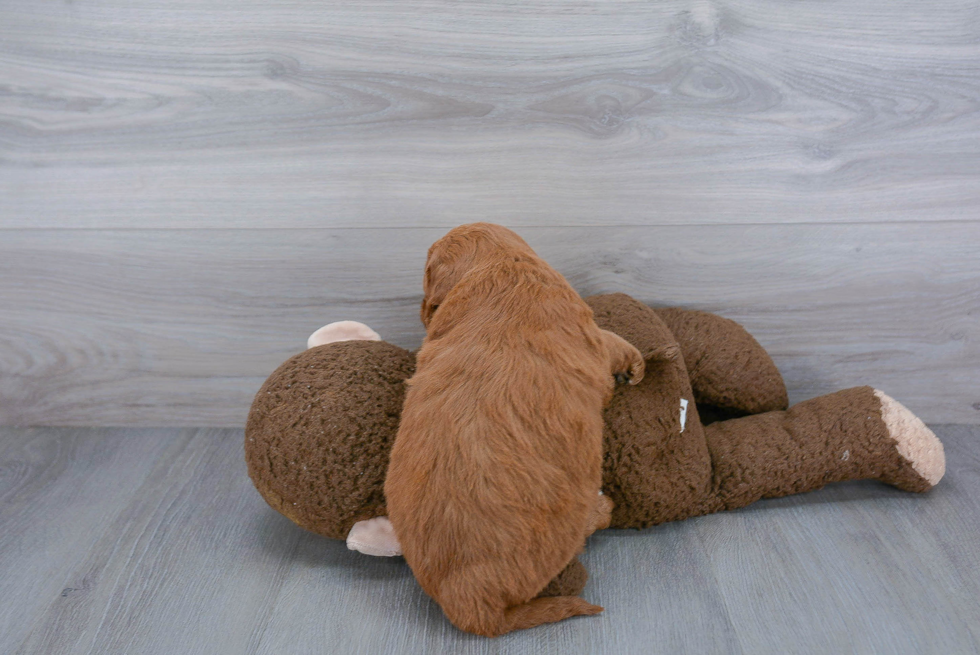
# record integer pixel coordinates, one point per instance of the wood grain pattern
(187, 190)
(180, 537)
(310, 114)
(780, 544)
(153, 541)
(60, 490)
(174, 327)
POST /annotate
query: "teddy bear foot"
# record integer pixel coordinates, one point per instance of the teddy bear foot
(916, 443)
(342, 331)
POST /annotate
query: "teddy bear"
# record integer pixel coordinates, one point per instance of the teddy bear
(708, 429)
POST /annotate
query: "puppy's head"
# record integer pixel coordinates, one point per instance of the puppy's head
(461, 250)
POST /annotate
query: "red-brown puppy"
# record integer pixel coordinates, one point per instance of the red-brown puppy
(493, 480)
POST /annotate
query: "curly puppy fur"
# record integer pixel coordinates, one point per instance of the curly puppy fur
(493, 481)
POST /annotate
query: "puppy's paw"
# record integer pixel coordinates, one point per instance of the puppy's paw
(632, 373)
(625, 361)
(601, 515)
(633, 367)
(637, 369)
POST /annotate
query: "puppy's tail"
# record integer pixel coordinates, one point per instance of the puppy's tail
(472, 614)
(546, 610)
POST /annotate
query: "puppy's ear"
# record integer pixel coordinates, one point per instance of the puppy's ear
(428, 309)
(448, 261)
(435, 285)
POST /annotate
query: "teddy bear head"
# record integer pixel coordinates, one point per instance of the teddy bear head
(320, 430)
(322, 425)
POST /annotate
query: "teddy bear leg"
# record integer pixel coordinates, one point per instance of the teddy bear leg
(853, 434)
(731, 373)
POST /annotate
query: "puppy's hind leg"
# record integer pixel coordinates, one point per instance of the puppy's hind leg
(601, 515)
(624, 359)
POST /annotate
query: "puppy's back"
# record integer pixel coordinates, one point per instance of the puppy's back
(498, 457)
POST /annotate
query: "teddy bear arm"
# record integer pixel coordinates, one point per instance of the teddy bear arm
(731, 374)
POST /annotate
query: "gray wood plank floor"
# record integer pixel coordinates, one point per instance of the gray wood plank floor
(154, 541)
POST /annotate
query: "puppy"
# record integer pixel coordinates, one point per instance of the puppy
(493, 480)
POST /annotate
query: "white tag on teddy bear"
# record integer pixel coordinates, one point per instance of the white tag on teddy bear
(683, 413)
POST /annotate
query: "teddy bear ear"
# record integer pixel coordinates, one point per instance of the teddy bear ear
(342, 331)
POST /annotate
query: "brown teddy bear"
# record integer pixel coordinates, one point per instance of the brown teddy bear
(706, 430)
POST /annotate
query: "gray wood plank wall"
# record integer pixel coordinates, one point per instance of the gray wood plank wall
(188, 188)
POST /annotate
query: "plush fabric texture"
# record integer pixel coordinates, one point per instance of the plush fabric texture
(915, 442)
(321, 427)
(320, 430)
(728, 369)
(656, 473)
(374, 537)
(652, 471)
(840, 436)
